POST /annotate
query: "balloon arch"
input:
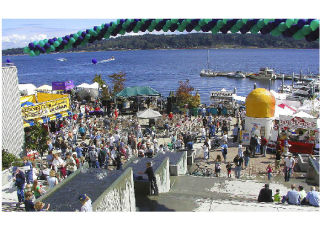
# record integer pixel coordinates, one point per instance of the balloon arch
(295, 28)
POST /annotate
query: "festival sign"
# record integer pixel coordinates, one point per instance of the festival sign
(221, 94)
(298, 122)
(46, 108)
(67, 85)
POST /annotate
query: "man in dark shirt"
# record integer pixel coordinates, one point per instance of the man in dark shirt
(152, 179)
(20, 180)
(238, 165)
(265, 194)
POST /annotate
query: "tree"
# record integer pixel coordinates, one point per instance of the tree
(118, 80)
(102, 84)
(37, 138)
(9, 159)
(185, 97)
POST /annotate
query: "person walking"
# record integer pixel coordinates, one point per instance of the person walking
(289, 165)
(238, 166)
(217, 166)
(224, 151)
(269, 172)
(264, 143)
(246, 156)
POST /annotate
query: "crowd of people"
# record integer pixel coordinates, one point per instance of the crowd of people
(108, 141)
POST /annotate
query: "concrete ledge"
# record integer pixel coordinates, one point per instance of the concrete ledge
(303, 162)
(163, 176)
(177, 162)
(313, 171)
(6, 174)
(119, 196)
(108, 190)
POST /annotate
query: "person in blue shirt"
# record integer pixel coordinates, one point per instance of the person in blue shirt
(212, 132)
(313, 197)
(29, 173)
(79, 151)
(224, 151)
(292, 196)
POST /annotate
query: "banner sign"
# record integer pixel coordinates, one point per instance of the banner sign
(221, 94)
(297, 122)
(62, 85)
(45, 109)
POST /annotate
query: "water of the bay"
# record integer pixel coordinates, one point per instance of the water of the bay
(163, 69)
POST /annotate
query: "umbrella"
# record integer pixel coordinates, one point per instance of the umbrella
(148, 114)
(27, 104)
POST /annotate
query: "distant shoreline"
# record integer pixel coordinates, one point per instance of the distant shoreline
(118, 50)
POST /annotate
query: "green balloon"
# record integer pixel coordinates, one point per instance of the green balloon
(122, 31)
(41, 43)
(87, 36)
(215, 30)
(91, 31)
(37, 52)
(306, 30)
(106, 36)
(32, 53)
(239, 24)
(197, 28)
(266, 21)
(165, 28)
(48, 50)
(151, 28)
(98, 29)
(60, 39)
(275, 32)
(289, 22)
(136, 29)
(26, 50)
(79, 33)
(225, 21)
(282, 27)
(56, 43)
(220, 24)
(75, 36)
(174, 20)
(314, 25)
(234, 29)
(298, 35)
(52, 48)
(255, 29)
(72, 40)
(260, 24)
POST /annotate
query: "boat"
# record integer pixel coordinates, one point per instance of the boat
(237, 74)
(264, 74)
(208, 72)
(107, 60)
(62, 59)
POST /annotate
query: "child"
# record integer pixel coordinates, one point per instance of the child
(28, 204)
(269, 171)
(86, 203)
(229, 167)
(39, 207)
(277, 197)
(217, 167)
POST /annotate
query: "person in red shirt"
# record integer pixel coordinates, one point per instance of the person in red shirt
(170, 115)
(116, 113)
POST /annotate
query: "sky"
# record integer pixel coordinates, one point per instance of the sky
(19, 32)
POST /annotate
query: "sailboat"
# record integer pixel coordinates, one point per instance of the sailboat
(208, 72)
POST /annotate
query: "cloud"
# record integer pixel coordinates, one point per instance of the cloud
(20, 40)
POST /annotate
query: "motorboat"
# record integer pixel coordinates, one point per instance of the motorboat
(264, 74)
(62, 59)
(107, 60)
(208, 72)
(237, 74)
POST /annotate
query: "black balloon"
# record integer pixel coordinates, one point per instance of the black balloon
(46, 46)
(31, 46)
(51, 41)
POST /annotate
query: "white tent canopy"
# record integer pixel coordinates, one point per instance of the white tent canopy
(302, 114)
(89, 86)
(300, 120)
(238, 98)
(148, 114)
(27, 89)
(44, 88)
(282, 111)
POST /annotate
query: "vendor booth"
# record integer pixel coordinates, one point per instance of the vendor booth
(44, 107)
(88, 90)
(137, 98)
(260, 109)
(63, 86)
(300, 130)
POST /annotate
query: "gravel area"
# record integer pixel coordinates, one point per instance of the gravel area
(92, 182)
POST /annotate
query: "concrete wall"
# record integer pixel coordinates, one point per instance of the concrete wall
(163, 176)
(12, 122)
(191, 154)
(181, 167)
(119, 196)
